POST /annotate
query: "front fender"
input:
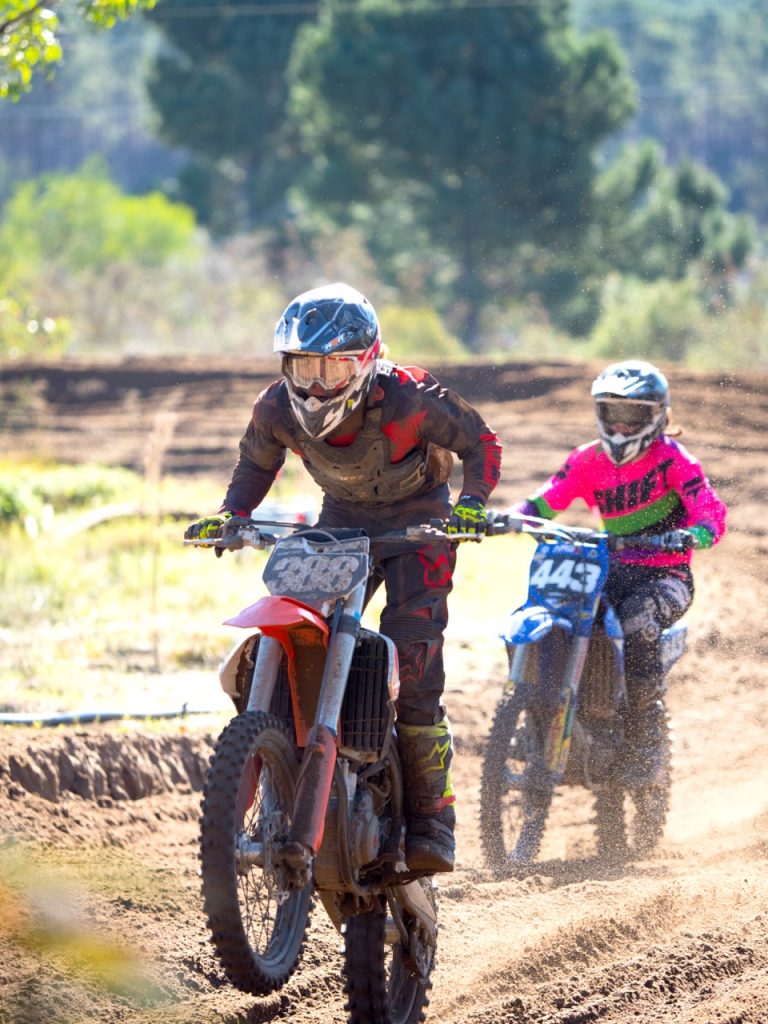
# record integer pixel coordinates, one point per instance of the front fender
(531, 623)
(274, 615)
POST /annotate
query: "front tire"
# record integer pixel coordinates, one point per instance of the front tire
(257, 922)
(385, 981)
(515, 797)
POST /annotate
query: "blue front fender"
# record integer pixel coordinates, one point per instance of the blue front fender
(530, 624)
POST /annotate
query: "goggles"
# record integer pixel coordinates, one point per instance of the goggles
(634, 415)
(330, 372)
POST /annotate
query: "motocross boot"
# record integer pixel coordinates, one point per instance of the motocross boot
(646, 762)
(430, 819)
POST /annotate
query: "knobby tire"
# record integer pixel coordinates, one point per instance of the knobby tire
(610, 823)
(651, 807)
(505, 811)
(380, 985)
(257, 932)
(652, 802)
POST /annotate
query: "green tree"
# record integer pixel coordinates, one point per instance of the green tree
(701, 68)
(220, 92)
(659, 221)
(65, 235)
(30, 35)
(651, 222)
(84, 222)
(480, 124)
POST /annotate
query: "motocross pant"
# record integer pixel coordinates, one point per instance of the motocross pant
(647, 600)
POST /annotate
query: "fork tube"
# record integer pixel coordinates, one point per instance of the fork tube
(339, 661)
(317, 767)
(559, 738)
(265, 672)
(517, 670)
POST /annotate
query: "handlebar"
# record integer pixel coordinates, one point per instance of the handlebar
(510, 522)
(253, 536)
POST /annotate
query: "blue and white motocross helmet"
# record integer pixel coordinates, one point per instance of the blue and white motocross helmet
(330, 341)
(632, 405)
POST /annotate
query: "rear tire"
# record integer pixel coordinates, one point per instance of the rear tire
(650, 807)
(610, 824)
(386, 984)
(652, 802)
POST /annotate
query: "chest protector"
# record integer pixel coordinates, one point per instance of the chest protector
(362, 472)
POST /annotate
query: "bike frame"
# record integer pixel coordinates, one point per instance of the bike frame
(566, 581)
(317, 584)
(567, 576)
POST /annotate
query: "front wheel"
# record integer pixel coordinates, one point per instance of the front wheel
(387, 981)
(515, 793)
(256, 917)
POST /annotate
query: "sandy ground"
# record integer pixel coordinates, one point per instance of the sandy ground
(100, 916)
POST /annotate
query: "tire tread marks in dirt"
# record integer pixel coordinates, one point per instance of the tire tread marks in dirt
(684, 975)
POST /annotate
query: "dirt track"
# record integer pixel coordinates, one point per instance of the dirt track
(679, 938)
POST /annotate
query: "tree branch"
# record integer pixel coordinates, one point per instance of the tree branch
(5, 26)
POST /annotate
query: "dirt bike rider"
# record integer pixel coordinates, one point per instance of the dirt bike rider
(377, 437)
(640, 480)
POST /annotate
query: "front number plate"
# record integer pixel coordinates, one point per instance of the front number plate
(316, 573)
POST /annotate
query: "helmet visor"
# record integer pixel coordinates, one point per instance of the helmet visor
(633, 416)
(330, 372)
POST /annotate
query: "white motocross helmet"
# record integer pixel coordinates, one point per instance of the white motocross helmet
(330, 342)
(632, 405)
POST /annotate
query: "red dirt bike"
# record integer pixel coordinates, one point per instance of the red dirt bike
(304, 794)
(560, 725)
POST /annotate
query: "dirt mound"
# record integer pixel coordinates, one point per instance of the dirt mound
(100, 766)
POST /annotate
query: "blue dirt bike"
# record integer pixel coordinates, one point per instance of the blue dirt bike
(561, 720)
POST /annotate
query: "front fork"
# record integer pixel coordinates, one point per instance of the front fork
(318, 762)
(557, 741)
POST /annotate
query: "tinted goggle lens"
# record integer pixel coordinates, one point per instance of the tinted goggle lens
(631, 414)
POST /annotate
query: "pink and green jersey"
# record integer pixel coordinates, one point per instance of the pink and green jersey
(665, 489)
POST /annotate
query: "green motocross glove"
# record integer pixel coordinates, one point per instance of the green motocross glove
(207, 528)
(469, 516)
(702, 535)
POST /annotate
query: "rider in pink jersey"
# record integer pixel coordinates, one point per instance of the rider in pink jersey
(640, 480)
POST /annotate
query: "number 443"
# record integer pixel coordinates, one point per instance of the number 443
(566, 574)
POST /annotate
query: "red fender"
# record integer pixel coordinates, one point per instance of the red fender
(280, 617)
(275, 616)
